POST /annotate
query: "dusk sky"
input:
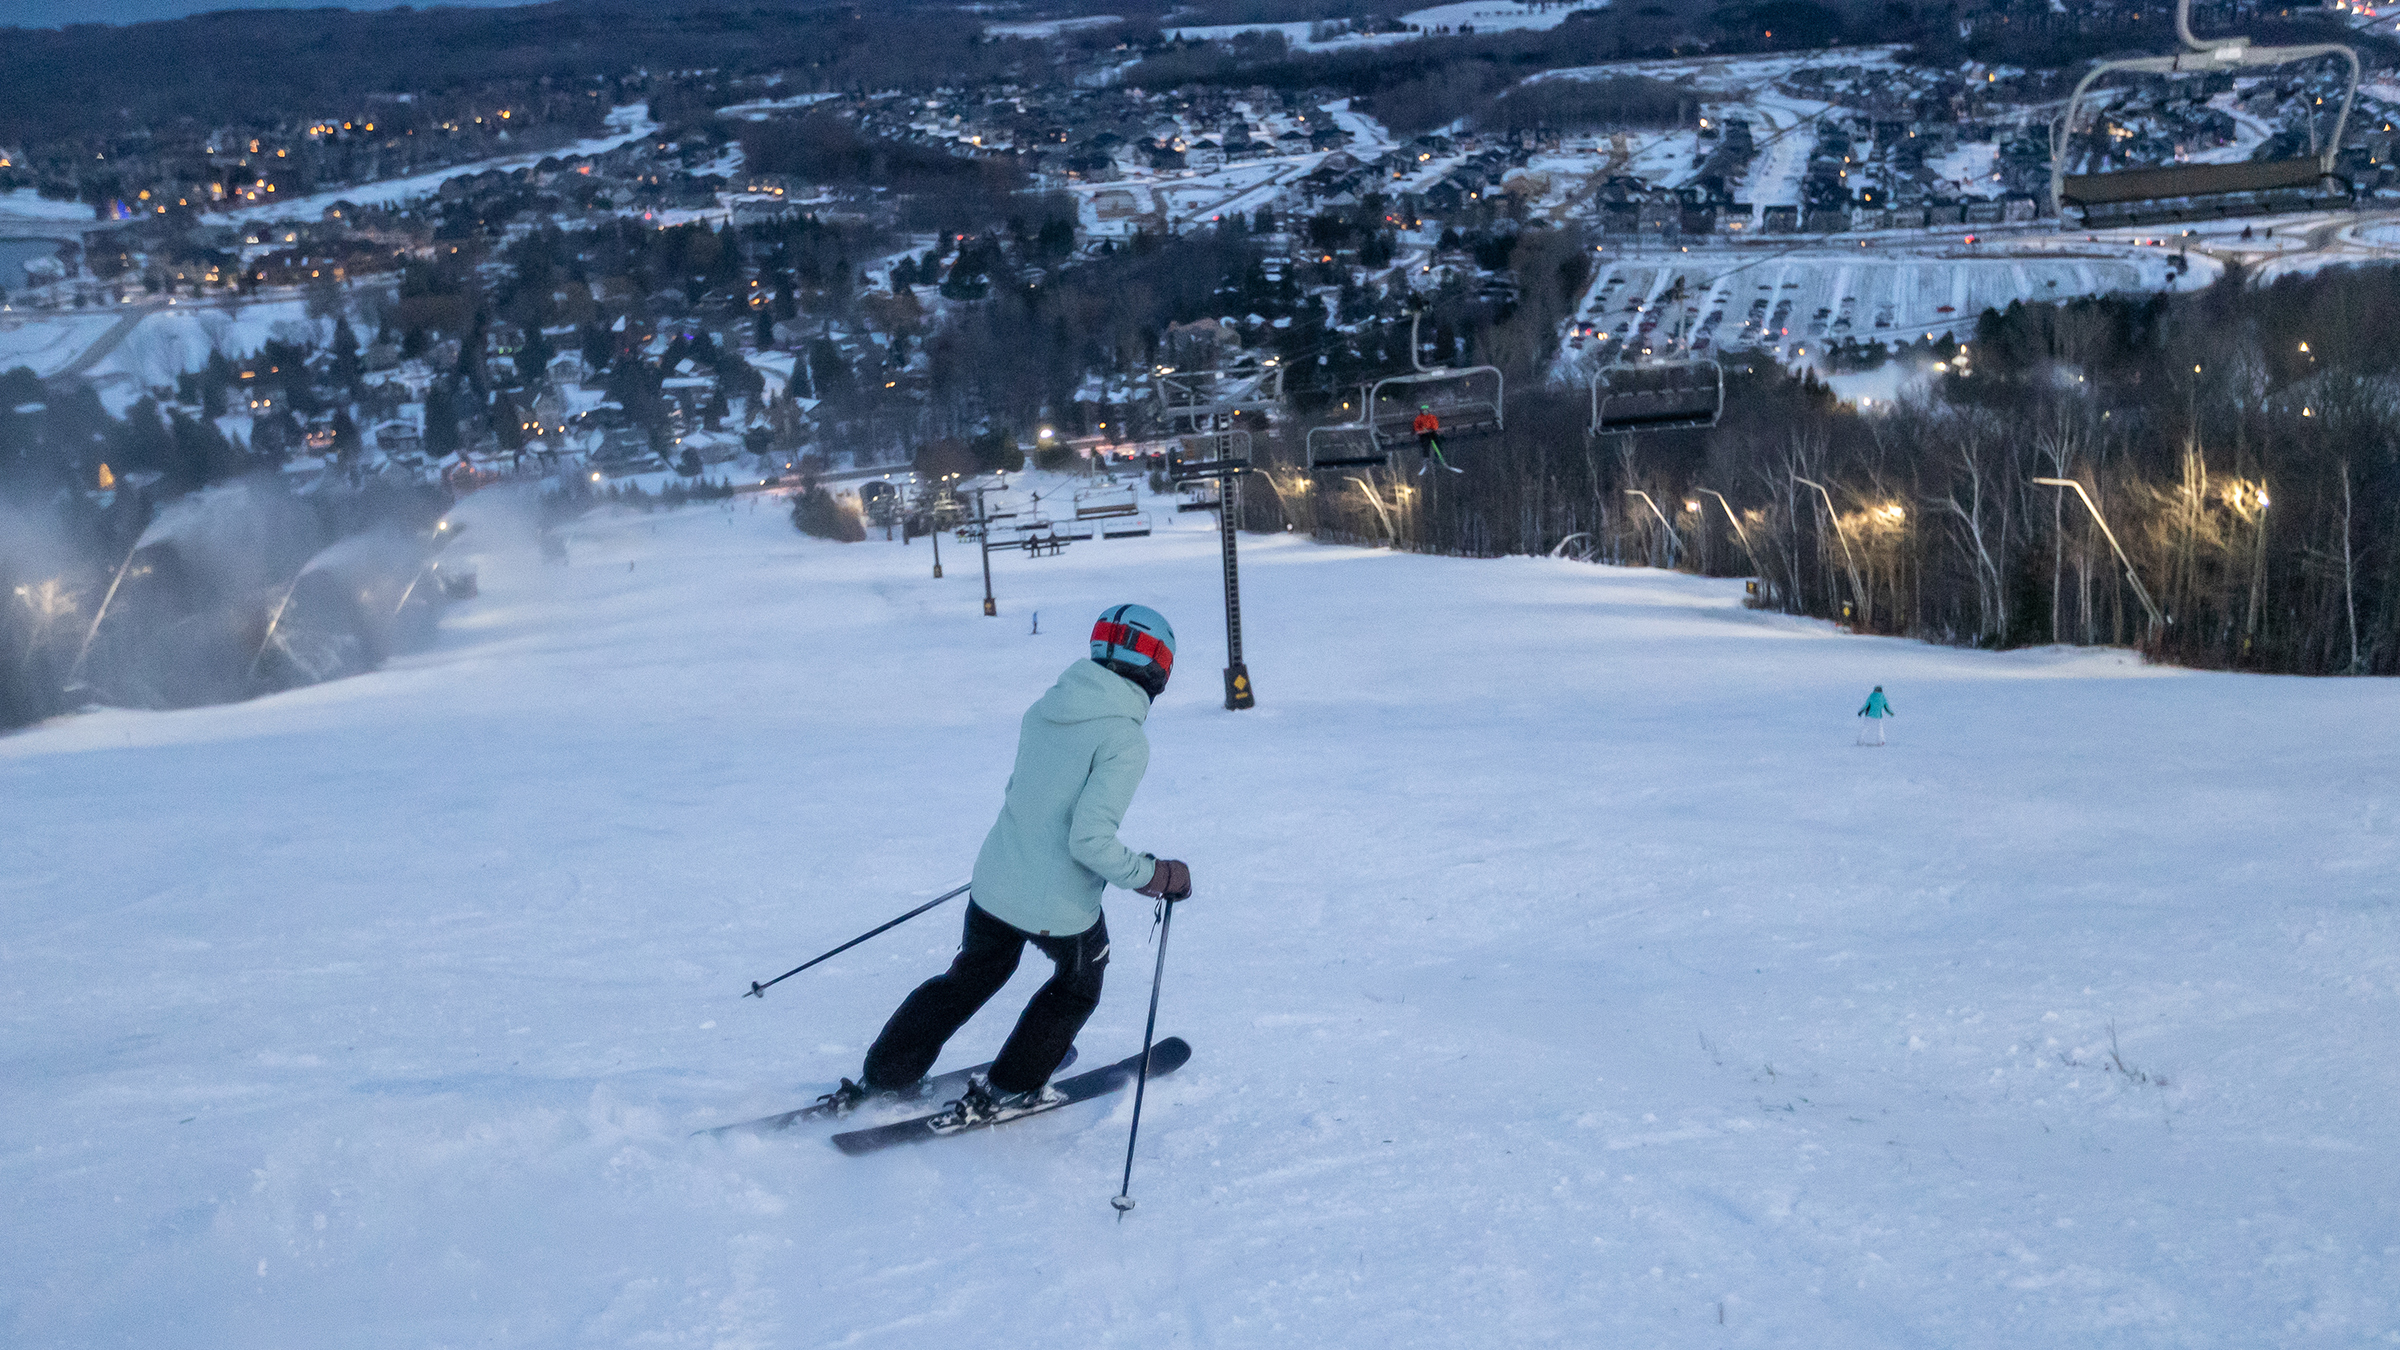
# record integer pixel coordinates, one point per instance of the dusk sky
(53, 13)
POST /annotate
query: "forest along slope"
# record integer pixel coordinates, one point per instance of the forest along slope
(1558, 968)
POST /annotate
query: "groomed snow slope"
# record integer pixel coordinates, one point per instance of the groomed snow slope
(1560, 973)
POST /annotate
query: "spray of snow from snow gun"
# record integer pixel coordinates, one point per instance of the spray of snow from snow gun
(758, 990)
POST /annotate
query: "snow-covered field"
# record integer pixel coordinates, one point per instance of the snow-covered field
(1560, 973)
(1483, 16)
(27, 204)
(48, 343)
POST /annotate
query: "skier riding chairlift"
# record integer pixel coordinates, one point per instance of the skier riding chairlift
(1428, 430)
(1472, 398)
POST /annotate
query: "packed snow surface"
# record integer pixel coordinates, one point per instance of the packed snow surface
(1560, 973)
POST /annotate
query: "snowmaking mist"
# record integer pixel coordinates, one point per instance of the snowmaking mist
(225, 593)
(46, 582)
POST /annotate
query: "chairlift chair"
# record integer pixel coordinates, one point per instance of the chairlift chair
(2202, 191)
(1104, 502)
(1199, 399)
(1677, 393)
(1468, 399)
(1208, 455)
(881, 499)
(1346, 445)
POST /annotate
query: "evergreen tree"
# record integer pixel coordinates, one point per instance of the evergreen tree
(506, 420)
(470, 357)
(347, 371)
(215, 380)
(827, 370)
(201, 454)
(441, 421)
(817, 512)
(996, 451)
(599, 346)
(533, 359)
(139, 441)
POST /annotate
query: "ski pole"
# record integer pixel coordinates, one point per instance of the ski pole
(1123, 1199)
(758, 990)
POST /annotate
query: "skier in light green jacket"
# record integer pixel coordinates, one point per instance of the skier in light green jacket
(1080, 755)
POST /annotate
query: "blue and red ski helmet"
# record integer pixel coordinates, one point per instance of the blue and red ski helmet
(1138, 643)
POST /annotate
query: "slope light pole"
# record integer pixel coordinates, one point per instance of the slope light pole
(1738, 532)
(1857, 595)
(2157, 620)
(1662, 520)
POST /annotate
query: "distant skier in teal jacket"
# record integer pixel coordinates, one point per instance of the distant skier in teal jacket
(1876, 708)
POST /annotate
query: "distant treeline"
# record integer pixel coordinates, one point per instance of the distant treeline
(287, 66)
(826, 148)
(1577, 105)
(1210, 13)
(1420, 85)
(2242, 442)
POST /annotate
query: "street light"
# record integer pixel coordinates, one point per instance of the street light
(2156, 619)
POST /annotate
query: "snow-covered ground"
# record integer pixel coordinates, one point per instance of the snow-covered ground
(1050, 28)
(1560, 973)
(157, 341)
(27, 204)
(1972, 169)
(47, 343)
(1484, 16)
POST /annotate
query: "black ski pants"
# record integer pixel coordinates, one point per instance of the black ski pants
(987, 955)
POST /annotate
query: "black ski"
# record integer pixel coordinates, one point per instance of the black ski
(932, 1088)
(1165, 1057)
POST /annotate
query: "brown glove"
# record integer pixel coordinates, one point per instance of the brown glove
(1171, 880)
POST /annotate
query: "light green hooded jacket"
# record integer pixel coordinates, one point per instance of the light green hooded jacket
(1080, 755)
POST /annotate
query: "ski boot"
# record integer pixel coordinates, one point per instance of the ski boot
(843, 1100)
(983, 1104)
